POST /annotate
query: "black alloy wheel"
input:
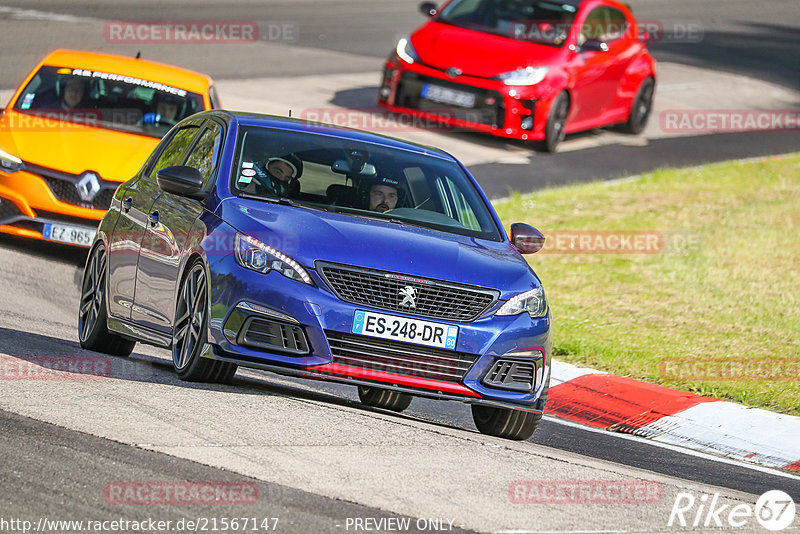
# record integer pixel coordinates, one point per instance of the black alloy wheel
(554, 131)
(190, 332)
(641, 108)
(92, 314)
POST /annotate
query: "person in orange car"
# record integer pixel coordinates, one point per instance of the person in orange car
(79, 125)
(74, 93)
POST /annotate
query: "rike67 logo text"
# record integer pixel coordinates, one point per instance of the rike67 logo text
(774, 510)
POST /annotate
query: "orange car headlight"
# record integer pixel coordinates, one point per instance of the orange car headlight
(9, 162)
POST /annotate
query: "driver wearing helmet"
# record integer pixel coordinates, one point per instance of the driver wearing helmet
(279, 176)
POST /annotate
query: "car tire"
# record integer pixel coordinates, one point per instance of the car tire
(93, 330)
(384, 398)
(508, 423)
(641, 108)
(190, 332)
(505, 422)
(556, 122)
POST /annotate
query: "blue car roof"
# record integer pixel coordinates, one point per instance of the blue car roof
(239, 118)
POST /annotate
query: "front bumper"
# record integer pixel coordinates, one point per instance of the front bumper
(518, 112)
(323, 321)
(31, 198)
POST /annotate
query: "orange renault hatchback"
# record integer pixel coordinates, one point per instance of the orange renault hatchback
(80, 124)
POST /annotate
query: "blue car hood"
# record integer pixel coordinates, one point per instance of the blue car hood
(310, 235)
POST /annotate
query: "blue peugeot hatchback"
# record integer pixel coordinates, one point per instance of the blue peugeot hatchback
(325, 253)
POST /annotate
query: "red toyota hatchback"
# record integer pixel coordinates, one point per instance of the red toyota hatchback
(524, 69)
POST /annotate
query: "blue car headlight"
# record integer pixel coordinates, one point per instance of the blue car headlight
(534, 302)
(255, 255)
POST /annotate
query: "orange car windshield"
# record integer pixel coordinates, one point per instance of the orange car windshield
(107, 100)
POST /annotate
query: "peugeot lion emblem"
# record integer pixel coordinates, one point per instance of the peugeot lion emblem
(409, 295)
(88, 186)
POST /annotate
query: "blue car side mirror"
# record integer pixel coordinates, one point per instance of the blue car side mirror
(183, 181)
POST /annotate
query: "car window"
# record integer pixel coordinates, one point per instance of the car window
(526, 20)
(360, 179)
(205, 154)
(604, 24)
(464, 10)
(617, 24)
(456, 205)
(173, 153)
(214, 98)
(107, 100)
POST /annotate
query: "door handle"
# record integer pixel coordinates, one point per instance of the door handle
(153, 218)
(127, 204)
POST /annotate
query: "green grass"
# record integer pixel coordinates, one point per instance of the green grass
(726, 287)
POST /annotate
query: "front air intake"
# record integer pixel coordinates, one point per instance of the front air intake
(513, 375)
(273, 336)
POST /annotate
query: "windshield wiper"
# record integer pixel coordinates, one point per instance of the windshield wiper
(366, 214)
(281, 200)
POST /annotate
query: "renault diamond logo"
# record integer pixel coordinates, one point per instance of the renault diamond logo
(88, 186)
(453, 72)
(409, 295)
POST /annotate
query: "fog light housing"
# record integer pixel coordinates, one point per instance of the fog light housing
(526, 123)
(516, 371)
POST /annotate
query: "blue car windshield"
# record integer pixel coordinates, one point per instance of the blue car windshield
(359, 179)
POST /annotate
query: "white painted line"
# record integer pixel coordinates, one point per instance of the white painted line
(623, 180)
(749, 434)
(560, 531)
(561, 372)
(17, 13)
(683, 450)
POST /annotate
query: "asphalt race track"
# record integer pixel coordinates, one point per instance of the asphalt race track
(317, 459)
